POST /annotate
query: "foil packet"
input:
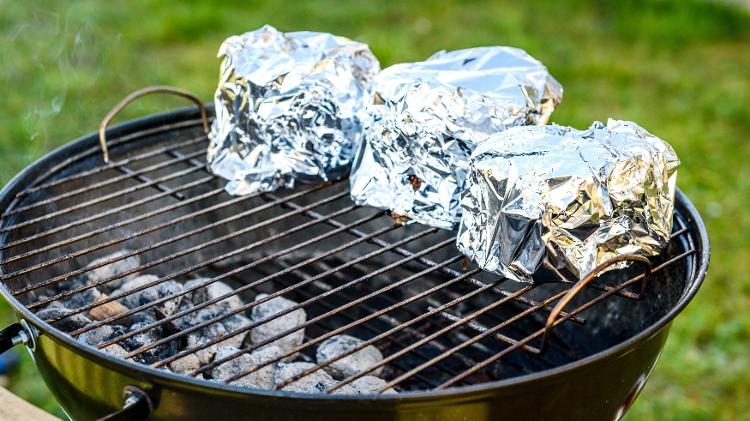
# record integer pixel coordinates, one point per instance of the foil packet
(556, 200)
(427, 117)
(288, 108)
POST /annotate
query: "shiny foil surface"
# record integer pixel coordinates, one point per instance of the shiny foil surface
(288, 108)
(427, 117)
(553, 199)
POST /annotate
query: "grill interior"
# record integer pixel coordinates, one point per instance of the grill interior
(439, 321)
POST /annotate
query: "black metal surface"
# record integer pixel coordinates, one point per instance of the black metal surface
(605, 364)
(8, 335)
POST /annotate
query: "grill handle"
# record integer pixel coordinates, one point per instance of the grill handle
(143, 92)
(137, 407)
(555, 313)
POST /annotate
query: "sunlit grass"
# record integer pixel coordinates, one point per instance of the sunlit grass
(679, 68)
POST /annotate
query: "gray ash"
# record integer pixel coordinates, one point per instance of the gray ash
(281, 324)
(231, 330)
(212, 331)
(148, 337)
(67, 324)
(78, 299)
(113, 269)
(350, 365)
(210, 292)
(101, 334)
(316, 382)
(365, 385)
(185, 365)
(150, 294)
(262, 378)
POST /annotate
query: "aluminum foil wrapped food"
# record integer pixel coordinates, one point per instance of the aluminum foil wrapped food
(561, 200)
(427, 117)
(288, 108)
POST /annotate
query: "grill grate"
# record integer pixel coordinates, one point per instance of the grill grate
(404, 289)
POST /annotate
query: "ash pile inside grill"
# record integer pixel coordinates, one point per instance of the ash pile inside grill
(205, 330)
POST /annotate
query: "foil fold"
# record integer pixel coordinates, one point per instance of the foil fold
(555, 200)
(288, 108)
(427, 117)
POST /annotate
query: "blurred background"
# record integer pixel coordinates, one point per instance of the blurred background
(679, 68)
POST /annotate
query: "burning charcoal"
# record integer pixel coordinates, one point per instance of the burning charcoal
(150, 294)
(78, 299)
(262, 378)
(96, 336)
(278, 325)
(211, 291)
(148, 337)
(113, 269)
(116, 350)
(145, 316)
(316, 382)
(212, 331)
(368, 384)
(185, 365)
(67, 324)
(350, 365)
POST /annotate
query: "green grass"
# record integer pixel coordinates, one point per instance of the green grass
(679, 68)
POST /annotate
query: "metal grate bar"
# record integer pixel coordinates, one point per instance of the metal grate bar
(193, 161)
(107, 182)
(108, 212)
(478, 327)
(394, 322)
(438, 331)
(540, 332)
(176, 255)
(98, 200)
(437, 334)
(327, 326)
(323, 316)
(463, 321)
(96, 170)
(255, 283)
(271, 296)
(145, 179)
(382, 317)
(215, 279)
(130, 237)
(143, 249)
(391, 331)
(427, 262)
(484, 332)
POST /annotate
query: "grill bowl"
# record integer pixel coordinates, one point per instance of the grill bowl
(607, 361)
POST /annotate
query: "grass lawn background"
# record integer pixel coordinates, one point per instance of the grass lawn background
(681, 69)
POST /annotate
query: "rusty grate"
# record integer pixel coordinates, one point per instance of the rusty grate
(404, 289)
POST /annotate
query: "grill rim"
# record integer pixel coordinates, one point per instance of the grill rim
(143, 127)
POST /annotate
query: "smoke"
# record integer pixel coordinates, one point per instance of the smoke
(56, 54)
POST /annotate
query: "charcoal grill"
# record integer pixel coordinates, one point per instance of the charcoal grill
(458, 343)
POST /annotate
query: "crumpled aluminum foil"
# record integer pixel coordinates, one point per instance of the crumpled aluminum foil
(561, 200)
(288, 108)
(428, 116)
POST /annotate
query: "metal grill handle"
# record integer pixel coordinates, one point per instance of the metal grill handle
(555, 313)
(138, 406)
(143, 92)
